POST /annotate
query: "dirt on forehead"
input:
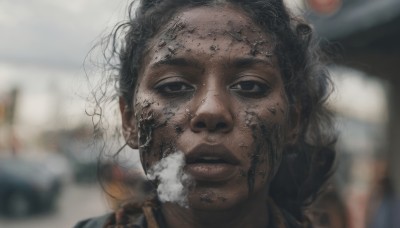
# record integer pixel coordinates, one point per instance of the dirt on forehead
(213, 23)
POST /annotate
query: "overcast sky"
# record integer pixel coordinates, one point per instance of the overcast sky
(43, 44)
(55, 33)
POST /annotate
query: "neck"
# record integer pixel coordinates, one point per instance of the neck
(254, 212)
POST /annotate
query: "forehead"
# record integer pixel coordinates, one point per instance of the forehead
(217, 18)
(223, 25)
(213, 21)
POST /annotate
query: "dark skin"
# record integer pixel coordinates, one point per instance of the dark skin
(210, 84)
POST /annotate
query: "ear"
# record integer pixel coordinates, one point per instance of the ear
(129, 126)
(294, 123)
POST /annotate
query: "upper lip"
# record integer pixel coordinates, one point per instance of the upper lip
(207, 151)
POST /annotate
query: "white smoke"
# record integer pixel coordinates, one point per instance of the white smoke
(173, 182)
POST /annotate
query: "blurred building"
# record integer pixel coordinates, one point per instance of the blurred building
(8, 138)
(366, 34)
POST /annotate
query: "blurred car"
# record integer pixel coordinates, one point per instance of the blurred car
(54, 164)
(26, 188)
(83, 158)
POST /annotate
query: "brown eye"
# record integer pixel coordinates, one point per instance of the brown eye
(174, 88)
(250, 88)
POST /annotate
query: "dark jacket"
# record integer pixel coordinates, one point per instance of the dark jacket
(148, 215)
(94, 222)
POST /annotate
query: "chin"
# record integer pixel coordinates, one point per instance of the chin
(211, 199)
(214, 206)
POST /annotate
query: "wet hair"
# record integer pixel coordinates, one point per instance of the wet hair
(306, 163)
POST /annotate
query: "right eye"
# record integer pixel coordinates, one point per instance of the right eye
(174, 88)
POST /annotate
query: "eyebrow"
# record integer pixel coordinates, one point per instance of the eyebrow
(245, 62)
(181, 62)
(248, 62)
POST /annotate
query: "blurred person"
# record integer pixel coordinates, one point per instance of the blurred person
(225, 101)
(384, 206)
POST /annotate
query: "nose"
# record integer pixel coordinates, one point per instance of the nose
(213, 115)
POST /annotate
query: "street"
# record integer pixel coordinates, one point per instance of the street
(77, 202)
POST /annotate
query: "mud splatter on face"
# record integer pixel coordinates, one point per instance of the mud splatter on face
(170, 40)
(267, 148)
(146, 125)
(258, 45)
(207, 197)
(210, 197)
(214, 48)
(272, 110)
(218, 71)
(166, 148)
(148, 122)
(178, 130)
(176, 26)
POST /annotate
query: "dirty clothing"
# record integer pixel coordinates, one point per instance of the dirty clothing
(148, 215)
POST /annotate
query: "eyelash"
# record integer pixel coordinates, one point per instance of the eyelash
(174, 88)
(257, 89)
(247, 88)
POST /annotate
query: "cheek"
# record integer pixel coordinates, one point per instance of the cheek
(159, 127)
(263, 134)
(263, 128)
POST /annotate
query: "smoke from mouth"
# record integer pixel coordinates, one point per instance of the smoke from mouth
(173, 181)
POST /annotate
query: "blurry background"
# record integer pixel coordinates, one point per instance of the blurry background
(48, 166)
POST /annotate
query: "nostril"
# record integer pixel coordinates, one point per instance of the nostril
(200, 125)
(221, 125)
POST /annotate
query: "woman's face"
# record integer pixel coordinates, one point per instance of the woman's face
(210, 87)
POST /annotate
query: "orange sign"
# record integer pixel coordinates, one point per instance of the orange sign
(324, 6)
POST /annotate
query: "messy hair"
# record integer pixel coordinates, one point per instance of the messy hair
(307, 163)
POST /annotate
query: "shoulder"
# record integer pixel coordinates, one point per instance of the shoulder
(137, 220)
(97, 222)
(131, 214)
(282, 219)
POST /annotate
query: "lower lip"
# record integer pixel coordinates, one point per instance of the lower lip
(210, 172)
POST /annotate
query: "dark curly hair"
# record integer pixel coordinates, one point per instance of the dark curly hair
(307, 163)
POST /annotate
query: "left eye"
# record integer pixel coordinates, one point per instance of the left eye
(174, 87)
(250, 88)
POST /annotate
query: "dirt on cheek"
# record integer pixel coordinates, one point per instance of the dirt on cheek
(274, 142)
(146, 125)
(266, 151)
(167, 147)
(151, 123)
(272, 110)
